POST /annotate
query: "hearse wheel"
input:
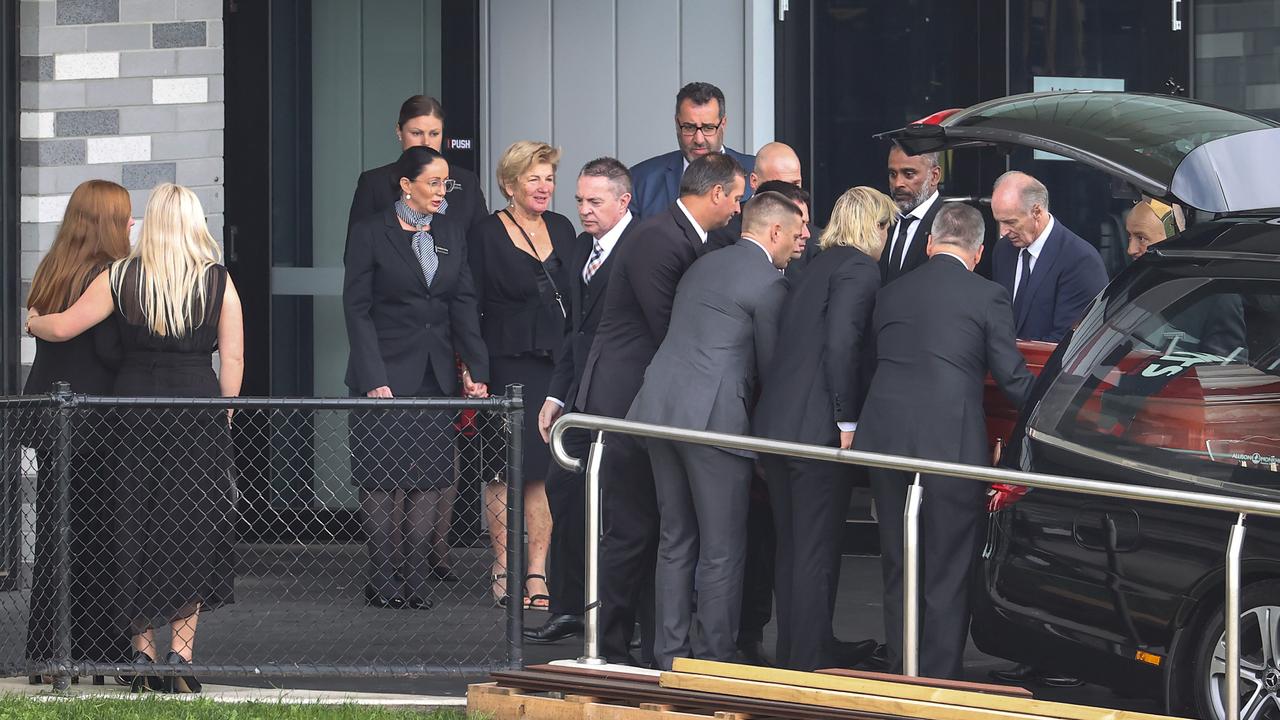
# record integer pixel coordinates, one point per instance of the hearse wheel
(1259, 657)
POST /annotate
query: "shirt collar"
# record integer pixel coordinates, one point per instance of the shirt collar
(701, 233)
(753, 241)
(919, 211)
(951, 254)
(1036, 247)
(609, 239)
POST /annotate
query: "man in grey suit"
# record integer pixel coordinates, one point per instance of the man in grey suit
(939, 330)
(703, 377)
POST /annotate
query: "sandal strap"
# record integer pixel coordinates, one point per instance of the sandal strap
(531, 576)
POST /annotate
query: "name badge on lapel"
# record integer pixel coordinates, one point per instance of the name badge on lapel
(442, 250)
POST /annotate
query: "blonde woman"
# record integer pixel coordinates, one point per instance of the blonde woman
(174, 305)
(812, 394)
(517, 260)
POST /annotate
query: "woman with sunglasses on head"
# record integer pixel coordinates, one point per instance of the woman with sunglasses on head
(410, 304)
(174, 306)
(516, 258)
(94, 233)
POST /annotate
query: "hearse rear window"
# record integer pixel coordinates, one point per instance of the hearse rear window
(1184, 377)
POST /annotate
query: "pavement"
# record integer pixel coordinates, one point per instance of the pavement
(302, 605)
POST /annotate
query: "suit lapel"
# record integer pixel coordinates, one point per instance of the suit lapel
(916, 254)
(448, 237)
(675, 170)
(686, 227)
(600, 280)
(1044, 265)
(395, 236)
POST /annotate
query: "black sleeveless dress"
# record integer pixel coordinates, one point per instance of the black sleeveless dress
(175, 501)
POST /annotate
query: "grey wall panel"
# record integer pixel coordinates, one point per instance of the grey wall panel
(712, 50)
(648, 77)
(584, 98)
(519, 97)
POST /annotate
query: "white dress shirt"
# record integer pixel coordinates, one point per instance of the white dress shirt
(914, 217)
(753, 241)
(1034, 249)
(697, 228)
(610, 239)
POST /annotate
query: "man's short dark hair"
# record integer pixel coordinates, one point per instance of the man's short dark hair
(790, 191)
(768, 207)
(960, 225)
(700, 93)
(611, 169)
(708, 171)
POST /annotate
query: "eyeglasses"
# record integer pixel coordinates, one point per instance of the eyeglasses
(449, 184)
(690, 129)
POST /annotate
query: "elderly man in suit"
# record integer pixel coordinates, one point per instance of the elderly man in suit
(938, 331)
(603, 197)
(700, 125)
(724, 325)
(913, 185)
(637, 310)
(1049, 271)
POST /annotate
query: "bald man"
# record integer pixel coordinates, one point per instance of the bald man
(1148, 223)
(775, 162)
(1050, 273)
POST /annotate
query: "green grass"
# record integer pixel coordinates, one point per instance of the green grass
(14, 707)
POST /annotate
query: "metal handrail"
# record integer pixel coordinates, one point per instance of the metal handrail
(598, 424)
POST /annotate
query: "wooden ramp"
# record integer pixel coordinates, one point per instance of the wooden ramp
(698, 689)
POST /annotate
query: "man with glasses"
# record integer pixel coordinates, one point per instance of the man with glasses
(700, 124)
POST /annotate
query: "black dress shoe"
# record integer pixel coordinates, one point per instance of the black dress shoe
(417, 602)
(752, 652)
(878, 661)
(378, 600)
(851, 654)
(559, 627)
(1028, 675)
(443, 573)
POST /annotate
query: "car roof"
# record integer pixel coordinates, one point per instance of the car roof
(1177, 149)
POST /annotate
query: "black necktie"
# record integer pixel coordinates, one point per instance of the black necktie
(1020, 292)
(899, 240)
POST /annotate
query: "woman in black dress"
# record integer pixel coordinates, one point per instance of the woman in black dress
(516, 258)
(409, 303)
(421, 124)
(174, 305)
(93, 234)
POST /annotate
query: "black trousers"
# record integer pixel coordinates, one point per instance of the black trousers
(757, 578)
(628, 550)
(810, 499)
(567, 496)
(951, 516)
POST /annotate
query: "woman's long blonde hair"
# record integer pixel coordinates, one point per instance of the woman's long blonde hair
(174, 253)
(858, 218)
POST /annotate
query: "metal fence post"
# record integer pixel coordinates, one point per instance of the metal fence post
(1231, 616)
(62, 549)
(911, 581)
(515, 523)
(591, 633)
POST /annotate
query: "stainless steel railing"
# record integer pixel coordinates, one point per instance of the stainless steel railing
(1242, 507)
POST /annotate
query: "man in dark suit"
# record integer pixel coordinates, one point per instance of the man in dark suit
(700, 124)
(913, 185)
(778, 169)
(637, 310)
(939, 330)
(604, 194)
(1049, 271)
(723, 329)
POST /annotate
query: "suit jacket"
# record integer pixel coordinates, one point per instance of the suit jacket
(915, 255)
(379, 188)
(825, 326)
(724, 328)
(586, 307)
(637, 310)
(396, 325)
(656, 181)
(938, 331)
(1067, 276)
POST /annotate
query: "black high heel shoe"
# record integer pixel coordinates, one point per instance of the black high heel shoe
(180, 684)
(143, 683)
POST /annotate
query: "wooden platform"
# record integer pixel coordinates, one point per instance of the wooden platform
(698, 690)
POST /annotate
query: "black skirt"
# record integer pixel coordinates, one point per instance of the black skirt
(534, 372)
(403, 449)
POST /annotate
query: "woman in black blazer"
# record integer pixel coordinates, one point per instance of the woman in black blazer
(409, 303)
(517, 259)
(93, 234)
(421, 123)
(812, 394)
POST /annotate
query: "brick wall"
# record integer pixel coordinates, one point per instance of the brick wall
(124, 90)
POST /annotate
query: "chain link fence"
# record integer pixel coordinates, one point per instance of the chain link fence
(270, 537)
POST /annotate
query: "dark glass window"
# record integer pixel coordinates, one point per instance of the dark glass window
(1182, 376)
